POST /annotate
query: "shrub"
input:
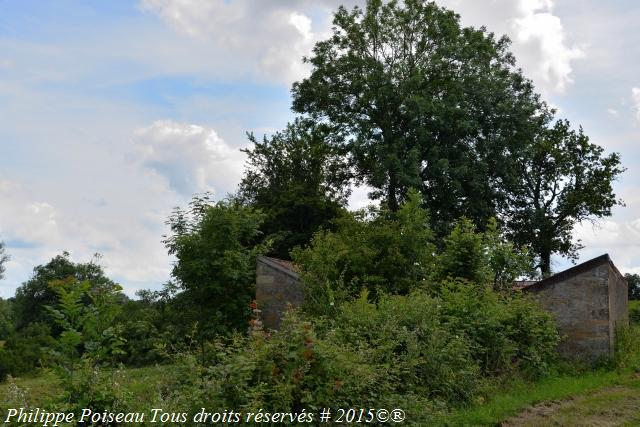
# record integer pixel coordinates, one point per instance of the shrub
(376, 250)
(506, 330)
(627, 354)
(405, 334)
(634, 312)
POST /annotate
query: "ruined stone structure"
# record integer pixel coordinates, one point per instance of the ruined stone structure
(589, 301)
(277, 288)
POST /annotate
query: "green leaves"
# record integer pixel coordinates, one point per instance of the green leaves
(421, 102)
(298, 179)
(377, 250)
(215, 245)
(565, 181)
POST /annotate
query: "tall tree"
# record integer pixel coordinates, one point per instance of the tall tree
(633, 280)
(422, 102)
(35, 294)
(565, 180)
(299, 181)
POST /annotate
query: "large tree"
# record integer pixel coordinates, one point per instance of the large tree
(299, 181)
(565, 180)
(36, 293)
(422, 102)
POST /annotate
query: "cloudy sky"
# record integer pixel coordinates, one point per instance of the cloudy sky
(114, 112)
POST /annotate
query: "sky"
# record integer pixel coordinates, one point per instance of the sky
(114, 112)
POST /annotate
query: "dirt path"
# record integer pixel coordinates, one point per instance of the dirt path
(613, 406)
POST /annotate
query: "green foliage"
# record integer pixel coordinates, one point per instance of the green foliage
(6, 319)
(215, 247)
(565, 180)
(464, 255)
(481, 257)
(634, 312)
(633, 280)
(376, 250)
(627, 355)
(290, 370)
(506, 330)
(421, 102)
(35, 294)
(87, 329)
(87, 341)
(3, 259)
(24, 351)
(298, 180)
(405, 336)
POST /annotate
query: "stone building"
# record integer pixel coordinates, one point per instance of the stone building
(277, 287)
(589, 301)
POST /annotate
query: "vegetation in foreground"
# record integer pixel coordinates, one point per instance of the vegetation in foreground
(408, 304)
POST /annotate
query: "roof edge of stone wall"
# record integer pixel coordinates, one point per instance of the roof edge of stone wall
(272, 262)
(574, 271)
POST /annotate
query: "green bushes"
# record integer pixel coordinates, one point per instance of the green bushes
(420, 352)
(376, 250)
(634, 312)
(405, 334)
(506, 331)
(305, 365)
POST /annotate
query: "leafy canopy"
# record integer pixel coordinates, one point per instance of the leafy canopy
(421, 102)
(35, 294)
(298, 180)
(566, 179)
(215, 245)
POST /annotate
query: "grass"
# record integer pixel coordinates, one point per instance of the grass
(520, 394)
(597, 396)
(36, 391)
(516, 396)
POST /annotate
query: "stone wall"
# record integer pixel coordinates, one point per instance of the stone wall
(580, 304)
(277, 288)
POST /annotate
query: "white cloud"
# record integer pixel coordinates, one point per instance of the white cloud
(274, 35)
(635, 96)
(539, 39)
(36, 230)
(613, 112)
(277, 34)
(191, 158)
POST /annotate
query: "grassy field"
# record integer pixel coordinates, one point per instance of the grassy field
(587, 399)
(517, 397)
(35, 391)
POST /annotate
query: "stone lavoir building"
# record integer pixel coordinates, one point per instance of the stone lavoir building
(589, 301)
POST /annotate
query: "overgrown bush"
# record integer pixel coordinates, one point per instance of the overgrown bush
(506, 330)
(375, 250)
(302, 366)
(634, 312)
(627, 354)
(25, 350)
(88, 342)
(406, 335)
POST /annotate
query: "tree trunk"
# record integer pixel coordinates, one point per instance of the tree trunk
(545, 263)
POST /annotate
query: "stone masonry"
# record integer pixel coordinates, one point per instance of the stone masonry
(589, 302)
(277, 288)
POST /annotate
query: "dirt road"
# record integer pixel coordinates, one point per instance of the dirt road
(613, 406)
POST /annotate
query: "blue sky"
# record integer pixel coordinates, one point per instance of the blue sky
(114, 112)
